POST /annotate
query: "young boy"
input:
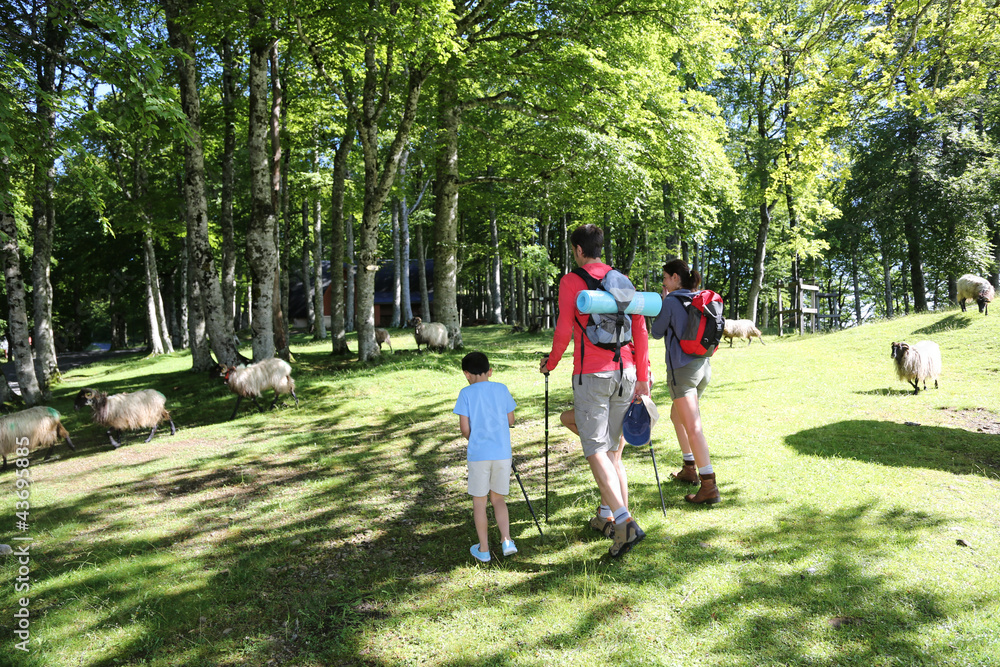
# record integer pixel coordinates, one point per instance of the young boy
(485, 414)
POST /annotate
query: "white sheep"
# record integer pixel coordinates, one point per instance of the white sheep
(382, 336)
(126, 412)
(977, 289)
(253, 380)
(39, 425)
(431, 334)
(918, 362)
(741, 329)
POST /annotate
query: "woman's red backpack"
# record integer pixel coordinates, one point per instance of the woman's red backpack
(703, 333)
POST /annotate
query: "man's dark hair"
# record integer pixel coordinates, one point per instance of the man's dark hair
(590, 238)
(475, 363)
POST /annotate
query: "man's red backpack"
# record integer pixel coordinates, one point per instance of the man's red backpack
(703, 333)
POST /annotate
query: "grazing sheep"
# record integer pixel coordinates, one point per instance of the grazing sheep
(918, 362)
(253, 380)
(741, 329)
(41, 427)
(976, 288)
(126, 412)
(431, 334)
(382, 336)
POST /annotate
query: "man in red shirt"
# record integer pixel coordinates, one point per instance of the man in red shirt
(602, 389)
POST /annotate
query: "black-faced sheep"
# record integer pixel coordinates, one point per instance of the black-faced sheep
(252, 381)
(32, 429)
(126, 412)
(432, 334)
(977, 289)
(382, 336)
(917, 363)
(741, 329)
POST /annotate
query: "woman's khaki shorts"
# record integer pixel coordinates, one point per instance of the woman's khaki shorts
(486, 476)
(689, 380)
(599, 410)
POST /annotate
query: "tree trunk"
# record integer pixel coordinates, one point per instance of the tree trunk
(633, 243)
(17, 315)
(261, 251)
(760, 251)
(155, 339)
(183, 281)
(341, 307)
(734, 312)
(496, 297)
(226, 208)
(397, 266)
(280, 332)
(220, 329)
(378, 183)
(405, 302)
(673, 238)
(887, 283)
(44, 215)
(307, 268)
(285, 268)
(201, 356)
(425, 297)
(350, 296)
(319, 331)
(856, 283)
(446, 211)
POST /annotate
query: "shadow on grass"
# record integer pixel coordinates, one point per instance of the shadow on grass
(950, 323)
(910, 446)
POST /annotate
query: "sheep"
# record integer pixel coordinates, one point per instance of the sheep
(382, 336)
(253, 380)
(974, 287)
(741, 329)
(918, 362)
(126, 412)
(431, 334)
(39, 425)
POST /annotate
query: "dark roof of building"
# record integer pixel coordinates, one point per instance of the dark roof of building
(383, 286)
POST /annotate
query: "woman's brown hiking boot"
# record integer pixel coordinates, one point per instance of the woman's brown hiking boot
(708, 494)
(689, 474)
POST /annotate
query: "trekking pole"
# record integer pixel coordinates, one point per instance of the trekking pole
(656, 472)
(530, 508)
(546, 446)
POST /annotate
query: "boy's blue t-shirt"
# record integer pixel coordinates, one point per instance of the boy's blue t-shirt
(486, 404)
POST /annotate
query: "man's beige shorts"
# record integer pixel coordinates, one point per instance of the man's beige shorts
(691, 380)
(599, 410)
(486, 476)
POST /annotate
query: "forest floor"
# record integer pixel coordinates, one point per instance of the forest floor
(858, 523)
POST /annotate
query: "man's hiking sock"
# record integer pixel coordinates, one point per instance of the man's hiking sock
(604, 512)
(689, 458)
(622, 515)
(705, 470)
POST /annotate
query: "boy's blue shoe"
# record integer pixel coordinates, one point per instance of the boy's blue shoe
(508, 548)
(479, 555)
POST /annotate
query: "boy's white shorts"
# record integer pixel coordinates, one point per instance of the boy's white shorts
(486, 476)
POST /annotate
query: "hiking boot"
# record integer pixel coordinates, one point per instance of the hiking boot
(627, 536)
(689, 474)
(708, 494)
(604, 526)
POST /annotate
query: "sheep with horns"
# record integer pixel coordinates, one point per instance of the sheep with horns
(977, 289)
(126, 412)
(253, 380)
(918, 362)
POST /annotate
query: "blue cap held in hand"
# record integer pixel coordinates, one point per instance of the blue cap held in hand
(636, 426)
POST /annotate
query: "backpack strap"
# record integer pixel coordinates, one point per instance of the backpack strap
(592, 284)
(685, 300)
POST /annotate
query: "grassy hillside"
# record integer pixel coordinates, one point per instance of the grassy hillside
(858, 526)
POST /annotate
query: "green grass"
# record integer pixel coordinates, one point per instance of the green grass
(338, 533)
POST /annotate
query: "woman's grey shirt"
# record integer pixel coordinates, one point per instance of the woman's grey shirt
(671, 320)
